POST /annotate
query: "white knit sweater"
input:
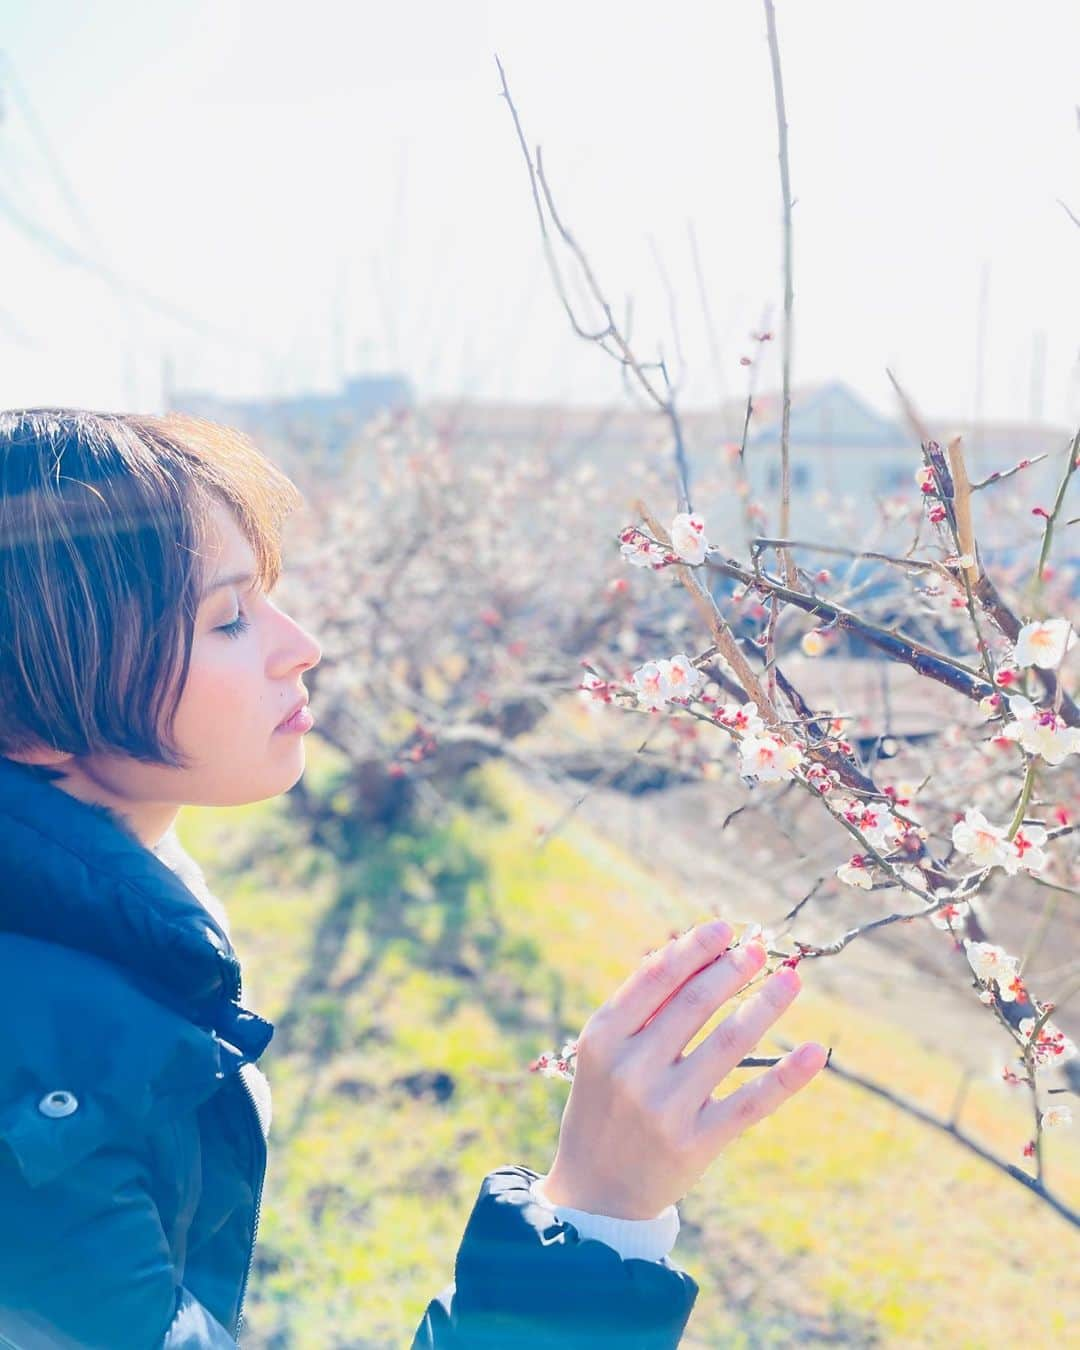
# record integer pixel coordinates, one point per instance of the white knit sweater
(646, 1239)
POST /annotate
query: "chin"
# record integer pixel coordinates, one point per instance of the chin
(274, 783)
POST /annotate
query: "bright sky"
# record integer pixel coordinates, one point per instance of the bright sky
(338, 185)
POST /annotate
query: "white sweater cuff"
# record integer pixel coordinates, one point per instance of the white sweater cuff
(645, 1239)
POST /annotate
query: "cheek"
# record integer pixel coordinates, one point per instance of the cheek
(221, 693)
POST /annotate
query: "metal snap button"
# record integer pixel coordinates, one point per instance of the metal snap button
(57, 1104)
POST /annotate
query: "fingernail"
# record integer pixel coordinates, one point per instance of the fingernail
(809, 1054)
(718, 928)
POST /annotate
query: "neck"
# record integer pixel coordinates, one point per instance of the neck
(148, 822)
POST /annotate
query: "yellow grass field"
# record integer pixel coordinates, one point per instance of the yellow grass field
(413, 982)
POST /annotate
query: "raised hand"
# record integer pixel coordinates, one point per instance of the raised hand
(640, 1126)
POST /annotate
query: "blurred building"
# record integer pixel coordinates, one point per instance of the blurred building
(840, 447)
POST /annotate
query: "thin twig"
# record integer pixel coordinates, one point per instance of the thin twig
(621, 351)
(785, 192)
(1059, 501)
(928, 1118)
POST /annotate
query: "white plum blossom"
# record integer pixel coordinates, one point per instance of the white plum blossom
(990, 962)
(1055, 1117)
(873, 820)
(767, 758)
(878, 825)
(821, 779)
(855, 873)
(988, 846)
(688, 537)
(1026, 850)
(953, 911)
(1041, 731)
(640, 551)
(984, 843)
(683, 676)
(656, 682)
(594, 689)
(1051, 1046)
(651, 684)
(744, 718)
(1044, 643)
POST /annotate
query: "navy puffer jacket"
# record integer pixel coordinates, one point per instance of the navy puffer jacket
(133, 1124)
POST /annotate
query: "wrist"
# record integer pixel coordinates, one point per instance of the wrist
(591, 1198)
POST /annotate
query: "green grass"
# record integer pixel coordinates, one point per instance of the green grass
(464, 952)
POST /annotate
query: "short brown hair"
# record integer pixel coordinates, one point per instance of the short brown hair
(103, 523)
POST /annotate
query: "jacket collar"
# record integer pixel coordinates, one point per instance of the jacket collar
(74, 873)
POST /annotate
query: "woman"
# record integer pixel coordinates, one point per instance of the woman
(143, 666)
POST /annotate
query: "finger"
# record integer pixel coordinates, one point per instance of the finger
(661, 974)
(719, 1122)
(737, 1034)
(691, 1006)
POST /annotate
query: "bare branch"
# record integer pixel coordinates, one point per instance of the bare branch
(785, 190)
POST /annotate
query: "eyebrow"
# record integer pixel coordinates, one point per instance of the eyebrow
(228, 581)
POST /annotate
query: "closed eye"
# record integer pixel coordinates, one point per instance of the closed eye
(239, 625)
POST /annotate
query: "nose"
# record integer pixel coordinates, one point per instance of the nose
(312, 649)
(298, 647)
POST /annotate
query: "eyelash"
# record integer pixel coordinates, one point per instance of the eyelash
(239, 625)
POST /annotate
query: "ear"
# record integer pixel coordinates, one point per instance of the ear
(43, 755)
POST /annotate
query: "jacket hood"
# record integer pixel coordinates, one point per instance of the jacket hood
(73, 873)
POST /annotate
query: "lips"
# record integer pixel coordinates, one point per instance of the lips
(301, 703)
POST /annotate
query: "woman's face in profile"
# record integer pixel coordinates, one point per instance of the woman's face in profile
(248, 659)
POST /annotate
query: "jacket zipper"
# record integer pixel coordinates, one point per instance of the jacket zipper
(258, 1203)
